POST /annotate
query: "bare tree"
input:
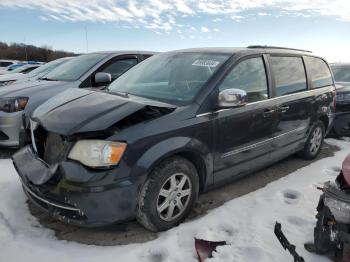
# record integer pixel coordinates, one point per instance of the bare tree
(20, 51)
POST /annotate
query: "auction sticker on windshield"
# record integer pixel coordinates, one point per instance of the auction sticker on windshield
(206, 63)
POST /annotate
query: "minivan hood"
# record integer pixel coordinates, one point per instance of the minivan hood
(80, 111)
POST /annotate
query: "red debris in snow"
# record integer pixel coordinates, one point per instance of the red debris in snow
(205, 248)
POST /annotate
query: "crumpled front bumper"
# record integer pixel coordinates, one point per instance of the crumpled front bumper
(85, 204)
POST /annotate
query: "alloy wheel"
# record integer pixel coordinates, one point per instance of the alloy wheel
(174, 196)
(316, 140)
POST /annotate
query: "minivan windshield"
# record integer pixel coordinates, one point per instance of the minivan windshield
(341, 73)
(75, 68)
(169, 77)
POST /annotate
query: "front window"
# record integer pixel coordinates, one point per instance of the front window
(75, 68)
(250, 76)
(170, 77)
(341, 73)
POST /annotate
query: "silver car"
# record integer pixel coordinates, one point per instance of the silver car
(95, 70)
(11, 78)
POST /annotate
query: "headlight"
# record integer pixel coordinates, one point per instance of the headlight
(13, 104)
(97, 153)
(343, 97)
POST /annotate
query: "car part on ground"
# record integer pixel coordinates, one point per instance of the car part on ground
(331, 232)
(180, 139)
(205, 248)
(285, 243)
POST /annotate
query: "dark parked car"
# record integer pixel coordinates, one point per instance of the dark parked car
(175, 125)
(91, 70)
(341, 74)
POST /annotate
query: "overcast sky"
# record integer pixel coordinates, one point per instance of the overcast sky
(322, 26)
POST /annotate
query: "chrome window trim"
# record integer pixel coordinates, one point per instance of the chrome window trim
(252, 146)
(267, 100)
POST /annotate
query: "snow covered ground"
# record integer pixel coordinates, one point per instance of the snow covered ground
(246, 223)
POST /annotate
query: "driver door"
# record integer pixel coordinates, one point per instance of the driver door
(243, 136)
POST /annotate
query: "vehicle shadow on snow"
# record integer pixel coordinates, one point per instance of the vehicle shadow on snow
(132, 232)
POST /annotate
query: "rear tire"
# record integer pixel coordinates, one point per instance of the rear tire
(168, 195)
(314, 142)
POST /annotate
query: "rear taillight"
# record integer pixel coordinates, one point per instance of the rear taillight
(334, 99)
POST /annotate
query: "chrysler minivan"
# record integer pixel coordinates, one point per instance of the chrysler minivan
(171, 127)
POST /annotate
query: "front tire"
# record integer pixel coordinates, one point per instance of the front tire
(168, 194)
(314, 142)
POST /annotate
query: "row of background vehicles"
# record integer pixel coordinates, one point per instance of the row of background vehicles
(7, 66)
(112, 139)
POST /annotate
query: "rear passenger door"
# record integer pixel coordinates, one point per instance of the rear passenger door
(293, 103)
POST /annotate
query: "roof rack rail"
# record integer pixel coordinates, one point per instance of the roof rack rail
(278, 47)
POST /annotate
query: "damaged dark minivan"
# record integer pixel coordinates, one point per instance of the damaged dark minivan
(173, 126)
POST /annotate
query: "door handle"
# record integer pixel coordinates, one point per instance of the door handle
(283, 109)
(268, 112)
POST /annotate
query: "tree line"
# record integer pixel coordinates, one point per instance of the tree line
(19, 51)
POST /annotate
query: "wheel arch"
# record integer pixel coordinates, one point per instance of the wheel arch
(191, 149)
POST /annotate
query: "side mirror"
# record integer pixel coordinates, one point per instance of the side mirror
(229, 98)
(103, 78)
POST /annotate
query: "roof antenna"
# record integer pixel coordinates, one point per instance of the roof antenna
(86, 39)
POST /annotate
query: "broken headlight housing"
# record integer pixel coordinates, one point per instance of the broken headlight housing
(97, 153)
(13, 104)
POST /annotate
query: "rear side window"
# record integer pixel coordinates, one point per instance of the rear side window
(250, 76)
(289, 73)
(319, 71)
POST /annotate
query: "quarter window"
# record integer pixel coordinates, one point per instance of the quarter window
(289, 73)
(250, 76)
(319, 71)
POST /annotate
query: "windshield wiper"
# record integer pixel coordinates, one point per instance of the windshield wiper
(47, 79)
(122, 94)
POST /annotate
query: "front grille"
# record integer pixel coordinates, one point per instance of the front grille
(50, 147)
(53, 148)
